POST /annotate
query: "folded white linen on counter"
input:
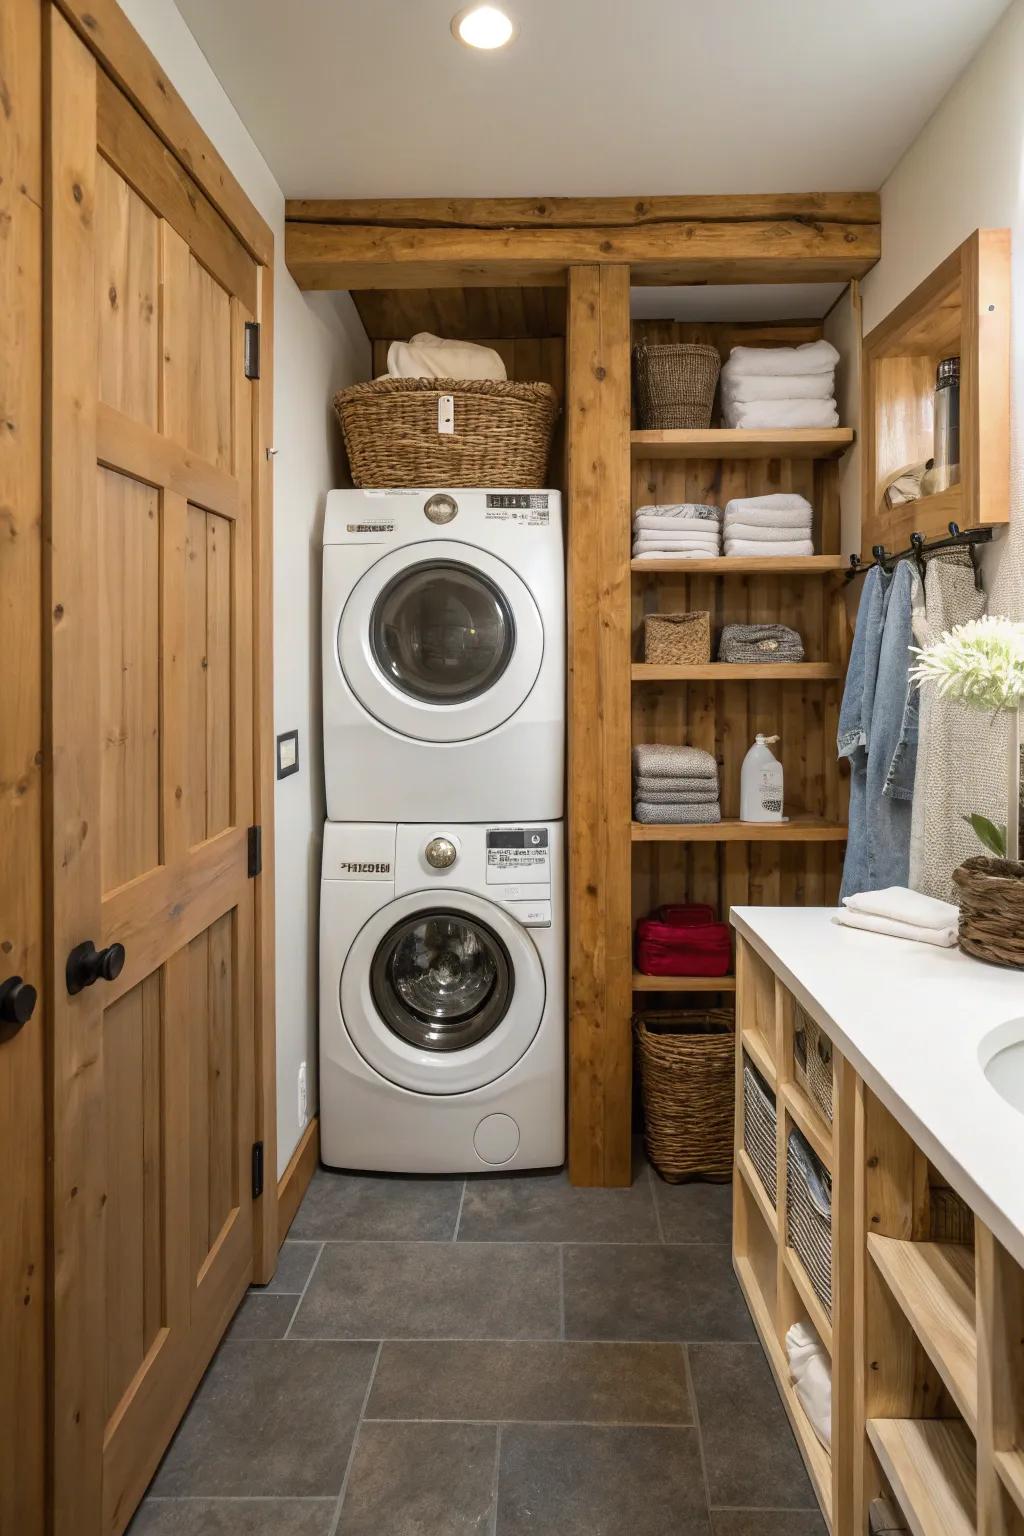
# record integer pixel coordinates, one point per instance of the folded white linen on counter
(811, 357)
(872, 923)
(431, 357)
(758, 535)
(681, 511)
(904, 906)
(780, 415)
(745, 549)
(761, 386)
(652, 521)
(782, 510)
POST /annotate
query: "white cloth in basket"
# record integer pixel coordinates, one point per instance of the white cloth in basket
(431, 357)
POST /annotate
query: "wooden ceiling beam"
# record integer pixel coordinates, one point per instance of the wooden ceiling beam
(354, 256)
(584, 212)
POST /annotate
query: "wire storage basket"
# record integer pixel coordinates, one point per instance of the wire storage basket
(809, 1216)
(447, 432)
(812, 1061)
(687, 1064)
(759, 1125)
(674, 385)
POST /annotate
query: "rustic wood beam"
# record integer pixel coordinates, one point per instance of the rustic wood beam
(584, 212)
(329, 256)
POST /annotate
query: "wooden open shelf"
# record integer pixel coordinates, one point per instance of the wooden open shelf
(735, 565)
(933, 1284)
(1010, 1467)
(759, 1053)
(737, 443)
(799, 829)
(808, 1122)
(644, 983)
(737, 672)
(801, 1281)
(762, 1200)
(930, 1464)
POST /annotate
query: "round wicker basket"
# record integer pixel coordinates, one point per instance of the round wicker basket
(501, 432)
(687, 1061)
(992, 909)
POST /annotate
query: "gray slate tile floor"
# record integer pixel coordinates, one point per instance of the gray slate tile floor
(490, 1357)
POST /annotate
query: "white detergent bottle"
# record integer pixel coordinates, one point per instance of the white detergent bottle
(761, 783)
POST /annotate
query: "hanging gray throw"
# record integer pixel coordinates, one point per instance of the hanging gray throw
(768, 643)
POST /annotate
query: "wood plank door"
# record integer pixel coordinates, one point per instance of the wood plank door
(149, 453)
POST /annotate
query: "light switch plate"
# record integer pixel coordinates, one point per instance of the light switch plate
(287, 754)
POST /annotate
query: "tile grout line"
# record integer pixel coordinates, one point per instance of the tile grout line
(561, 1292)
(496, 1481)
(333, 1527)
(654, 1201)
(302, 1294)
(458, 1218)
(692, 1391)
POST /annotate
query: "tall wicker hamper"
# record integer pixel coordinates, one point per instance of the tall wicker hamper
(674, 385)
(686, 1060)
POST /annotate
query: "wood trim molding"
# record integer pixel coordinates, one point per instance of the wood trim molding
(105, 28)
(584, 212)
(294, 1182)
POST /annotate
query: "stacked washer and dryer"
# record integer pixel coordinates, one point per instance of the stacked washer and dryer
(442, 920)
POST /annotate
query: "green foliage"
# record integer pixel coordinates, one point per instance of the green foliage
(988, 834)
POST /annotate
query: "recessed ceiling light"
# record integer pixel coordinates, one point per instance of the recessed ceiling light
(483, 26)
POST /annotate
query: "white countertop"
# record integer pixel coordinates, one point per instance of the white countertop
(911, 1019)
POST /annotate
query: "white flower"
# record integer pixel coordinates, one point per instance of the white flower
(980, 663)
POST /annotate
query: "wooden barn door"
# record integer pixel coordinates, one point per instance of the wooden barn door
(150, 593)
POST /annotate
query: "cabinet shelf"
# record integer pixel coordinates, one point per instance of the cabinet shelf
(743, 565)
(748, 1173)
(644, 983)
(739, 672)
(739, 443)
(931, 1466)
(933, 1285)
(809, 1123)
(799, 829)
(1010, 1467)
(800, 1280)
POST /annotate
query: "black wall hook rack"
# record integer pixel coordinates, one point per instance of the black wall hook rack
(958, 538)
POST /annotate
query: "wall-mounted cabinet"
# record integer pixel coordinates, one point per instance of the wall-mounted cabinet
(961, 310)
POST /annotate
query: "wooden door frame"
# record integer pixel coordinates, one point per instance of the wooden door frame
(120, 51)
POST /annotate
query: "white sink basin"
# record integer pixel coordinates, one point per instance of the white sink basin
(1002, 1057)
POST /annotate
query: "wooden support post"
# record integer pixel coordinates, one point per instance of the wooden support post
(598, 808)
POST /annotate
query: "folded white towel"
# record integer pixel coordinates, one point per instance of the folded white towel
(650, 537)
(753, 533)
(780, 415)
(760, 517)
(674, 524)
(772, 501)
(812, 357)
(687, 511)
(676, 554)
(750, 549)
(431, 357)
(904, 906)
(944, 937)
(763, 386)
(663, 546)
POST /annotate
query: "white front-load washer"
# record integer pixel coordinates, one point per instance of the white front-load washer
(443, 655)
(442, 997)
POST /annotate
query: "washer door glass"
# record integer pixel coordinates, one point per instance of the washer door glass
(442, 980)
(442, 632)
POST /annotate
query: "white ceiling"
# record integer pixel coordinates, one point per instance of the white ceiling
(742, 301)
(363, 98)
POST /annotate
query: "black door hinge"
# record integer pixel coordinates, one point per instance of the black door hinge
(255, 865)
(252, 349)
(257, 1169)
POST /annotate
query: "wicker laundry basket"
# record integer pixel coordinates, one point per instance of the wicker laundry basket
(677, 639)
(687, 1064)
(397, 432)
(674, 385)
(992, 909)
(760, 1118)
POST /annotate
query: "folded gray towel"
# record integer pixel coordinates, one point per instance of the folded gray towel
(686, 791)
(760, 643)
(660, 761)
(673, 813)
(686, 511)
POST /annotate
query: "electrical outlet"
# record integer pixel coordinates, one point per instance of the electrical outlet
(303, 1096)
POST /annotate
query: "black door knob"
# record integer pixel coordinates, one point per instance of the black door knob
(17, 1004)
(87, 964)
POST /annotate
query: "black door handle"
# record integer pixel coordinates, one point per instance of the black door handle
(17, 1004)
(87, 964)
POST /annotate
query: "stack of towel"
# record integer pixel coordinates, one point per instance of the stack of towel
(778, 524)
(675, 784)
(775, 388)
(687, 530)
(903, 914)
(431, 357)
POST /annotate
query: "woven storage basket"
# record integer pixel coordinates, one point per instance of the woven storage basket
(677, 639)
(759, 1121)
(687, 1061)
(674, 385)
(812, 1060)
(992, 909)
(501, 432)
(809, 1216)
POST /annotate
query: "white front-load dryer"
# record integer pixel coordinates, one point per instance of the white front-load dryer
(443, 655)
(442, 997)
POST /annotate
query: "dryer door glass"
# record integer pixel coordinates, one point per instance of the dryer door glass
(442, 632)
(442, 980)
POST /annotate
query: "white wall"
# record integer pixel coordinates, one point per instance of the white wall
(965, 171)
(319, 345)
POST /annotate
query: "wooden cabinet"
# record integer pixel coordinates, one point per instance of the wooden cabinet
(961, 309)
